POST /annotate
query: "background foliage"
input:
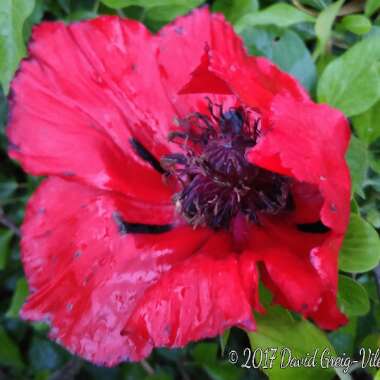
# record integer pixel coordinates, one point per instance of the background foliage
(333, 48)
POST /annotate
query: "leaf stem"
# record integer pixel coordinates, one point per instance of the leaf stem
(96, 6)
(8, 223)
(147, 367)
(68, 371)
(120, 13)
(353, 7)
(302, 8)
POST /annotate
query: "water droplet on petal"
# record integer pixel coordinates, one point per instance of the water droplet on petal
(322, 178)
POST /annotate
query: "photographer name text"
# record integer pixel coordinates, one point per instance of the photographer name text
(266, 358)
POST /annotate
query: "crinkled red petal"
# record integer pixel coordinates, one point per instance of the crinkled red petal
(181, 48)
(293, 273)
(225, 68)
(93, 282)
(84, 92)
(308, 142)
(195, 300)
(85, 274)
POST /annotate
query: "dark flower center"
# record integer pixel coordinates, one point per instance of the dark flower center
(217, 183)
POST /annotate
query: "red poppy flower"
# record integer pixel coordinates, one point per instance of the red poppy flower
(177, 167)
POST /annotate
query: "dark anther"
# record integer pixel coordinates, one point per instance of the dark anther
(313, 228)
(145, 155)
(217, 182)
(125, 227)
(232, 122)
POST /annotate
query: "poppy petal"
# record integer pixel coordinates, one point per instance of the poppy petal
(223, 66)
(308, 142)
(181, 47)
(86, 274)
(197, 299)
(86, 92)
(294, 275)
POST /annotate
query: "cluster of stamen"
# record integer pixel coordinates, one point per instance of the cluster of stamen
(217, 182)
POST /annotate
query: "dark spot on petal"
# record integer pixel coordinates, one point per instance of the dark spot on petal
(313, 228)
(167, 330)
(12, 146)
(179, 30)
(333, 207)
(77, 254)
(145, 155)
(68, 174)
(133, 67)
(125, 227)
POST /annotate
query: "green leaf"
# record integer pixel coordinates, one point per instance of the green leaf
(283, 47)
(368, 281)
(343, 339)
(44, 354)
(317, 4)
(280, 14)
(352, 81)
(235, 9)
(7, 187)
(5, 246)
(373, 217)
(361, 247)
(374, 162)
(352, 297)
(371, 6)
(223, 340)
(9, 351)
(358, 161)
(65, 5)
(159, 376)
(18, 299)
(222, 371)
(158, 9)
(357, 24)
(205, 355)
(354, 206)
(323, 26)
(13, 14)
(367, 124)
(371, 341)
(278, 330)
(170, 9)
(81, 15)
